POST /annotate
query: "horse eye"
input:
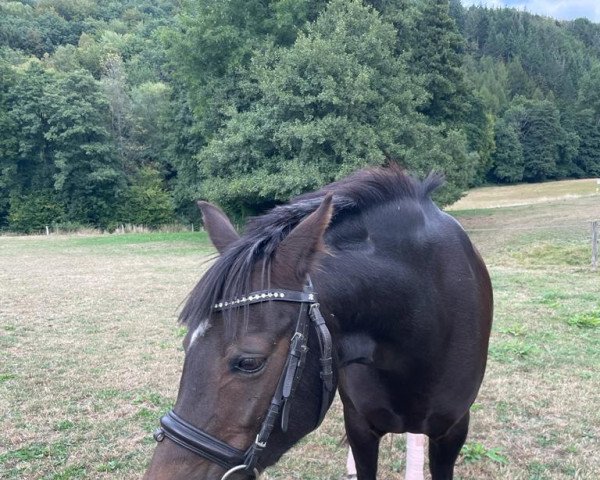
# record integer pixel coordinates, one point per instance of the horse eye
(250, 364)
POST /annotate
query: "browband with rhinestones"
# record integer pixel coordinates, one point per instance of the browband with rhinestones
(266, 296)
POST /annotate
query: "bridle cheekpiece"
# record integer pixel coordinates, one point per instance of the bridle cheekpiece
(232, 459)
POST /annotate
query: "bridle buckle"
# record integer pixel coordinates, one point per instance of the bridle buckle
(258, 443)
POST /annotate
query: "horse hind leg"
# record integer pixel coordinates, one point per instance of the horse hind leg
(444, 451)
(350, 466)
(415, 459)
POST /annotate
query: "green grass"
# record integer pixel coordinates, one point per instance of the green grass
(547, 254)
(474, 452)
(151, 244)
(585, 320)
(199, 238)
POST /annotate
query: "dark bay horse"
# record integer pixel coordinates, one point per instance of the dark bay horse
(365, 286)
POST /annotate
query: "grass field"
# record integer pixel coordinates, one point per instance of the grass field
(90, 353)
(527, 194)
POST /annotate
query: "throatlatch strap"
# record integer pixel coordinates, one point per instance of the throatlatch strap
(326, 360)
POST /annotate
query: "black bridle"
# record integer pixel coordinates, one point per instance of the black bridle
(233, 459)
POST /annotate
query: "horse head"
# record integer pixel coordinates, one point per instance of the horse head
(249, 390)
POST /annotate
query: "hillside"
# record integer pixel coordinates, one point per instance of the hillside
(125, 112)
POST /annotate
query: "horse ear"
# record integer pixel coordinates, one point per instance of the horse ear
(220, 230)
(298, 250)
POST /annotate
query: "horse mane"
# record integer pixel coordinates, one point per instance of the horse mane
(230, 275)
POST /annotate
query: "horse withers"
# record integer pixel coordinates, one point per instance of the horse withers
(365, 286)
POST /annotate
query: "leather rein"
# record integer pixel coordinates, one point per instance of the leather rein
(232, 459)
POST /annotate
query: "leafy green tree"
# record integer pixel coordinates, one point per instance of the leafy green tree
(178, 158)
(508, 162)
(32, 212)
(88, 175)
(224, 99)
(26, 163)
(337, 100)
(589, 90)
(587, 32)
(34, 30)
(114, 87)
(568, 150)
(541, 136)
(457, 12)
(213, 48)
(489, 81)
(147, 202)
(151, 122)
(479, 128)
(8, 134)
(446, 151)
(402, 15)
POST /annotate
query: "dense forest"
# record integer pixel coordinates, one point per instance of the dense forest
(126, 111)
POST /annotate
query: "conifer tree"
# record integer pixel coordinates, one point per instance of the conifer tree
(437, 49)
(587, 159)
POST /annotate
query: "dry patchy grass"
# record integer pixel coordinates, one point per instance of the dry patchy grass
(527, 194)
(90, 353)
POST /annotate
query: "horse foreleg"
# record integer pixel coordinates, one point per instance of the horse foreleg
(364, 444)
(415, 456)
(444, 451)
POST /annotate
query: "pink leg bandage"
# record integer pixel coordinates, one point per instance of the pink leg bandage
(415, 456)
(350, 465)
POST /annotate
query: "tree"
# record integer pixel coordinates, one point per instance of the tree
(151, 122)
(213, 48)
(589, 90)
(26, 163)
(7, 137)
(587, 159)
(508, 162)
(519, 82)
(88, 175)
(338, 99)
(147, 202)
(479, 128)
(401, 14)
(437, 55)
(541, 135)
(33, 211)
(114, 86)
(457, 12)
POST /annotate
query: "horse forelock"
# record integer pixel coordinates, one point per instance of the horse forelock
(231, 275)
